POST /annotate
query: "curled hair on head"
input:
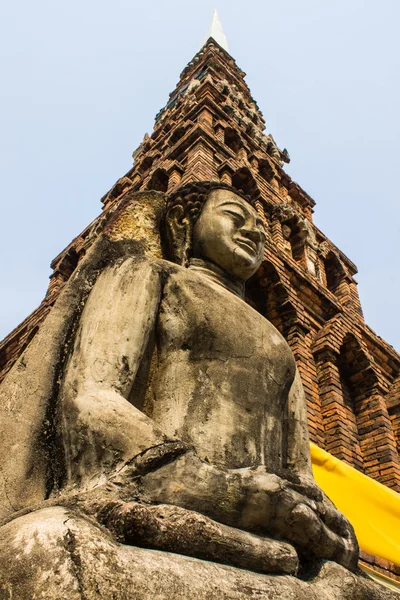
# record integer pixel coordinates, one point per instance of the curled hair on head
(182, 211)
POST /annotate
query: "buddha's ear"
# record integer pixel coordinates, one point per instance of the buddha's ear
(178, 233)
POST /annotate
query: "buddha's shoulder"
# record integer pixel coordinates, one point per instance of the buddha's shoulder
(143, 266)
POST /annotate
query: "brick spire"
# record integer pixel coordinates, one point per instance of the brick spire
(210, 129)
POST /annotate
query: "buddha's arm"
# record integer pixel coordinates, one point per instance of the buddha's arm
(336, 535)
(298, 443)
(101, 428)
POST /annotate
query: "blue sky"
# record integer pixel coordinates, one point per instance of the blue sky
(82, 81)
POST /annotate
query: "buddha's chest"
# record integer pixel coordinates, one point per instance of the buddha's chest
(209, 323)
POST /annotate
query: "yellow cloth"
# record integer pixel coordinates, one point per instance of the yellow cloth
(372, 508)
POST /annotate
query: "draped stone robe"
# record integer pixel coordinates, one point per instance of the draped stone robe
(166, 352)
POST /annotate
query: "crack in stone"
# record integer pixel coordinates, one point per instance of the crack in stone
(71, 547)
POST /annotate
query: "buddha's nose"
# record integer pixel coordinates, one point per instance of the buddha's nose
(251, 232)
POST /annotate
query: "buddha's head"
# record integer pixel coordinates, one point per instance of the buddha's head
(217, 224)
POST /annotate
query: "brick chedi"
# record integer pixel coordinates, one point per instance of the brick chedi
(212, 129)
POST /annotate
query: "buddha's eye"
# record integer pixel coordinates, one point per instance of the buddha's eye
(237, 217)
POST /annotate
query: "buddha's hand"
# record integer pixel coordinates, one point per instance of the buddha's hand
(295, 510)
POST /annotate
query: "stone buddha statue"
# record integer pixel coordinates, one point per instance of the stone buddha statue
(180, 420)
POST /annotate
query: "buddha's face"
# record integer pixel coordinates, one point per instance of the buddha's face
(230, 233)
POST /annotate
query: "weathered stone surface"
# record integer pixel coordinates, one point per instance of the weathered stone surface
(154, 361)
(169, 425)
(138, 218)
(55, 554)
(28, 396)
(187, 532)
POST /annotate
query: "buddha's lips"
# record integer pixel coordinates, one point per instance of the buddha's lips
(248, 244)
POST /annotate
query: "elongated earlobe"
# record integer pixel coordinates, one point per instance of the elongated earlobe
(178, 232)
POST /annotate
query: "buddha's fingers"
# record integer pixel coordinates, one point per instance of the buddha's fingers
(306, 488)
(334, 519)
(306, 530)
(313, 496)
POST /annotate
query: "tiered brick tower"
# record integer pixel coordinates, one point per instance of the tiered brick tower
(212, 129)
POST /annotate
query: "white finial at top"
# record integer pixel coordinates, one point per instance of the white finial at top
(217, 32)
